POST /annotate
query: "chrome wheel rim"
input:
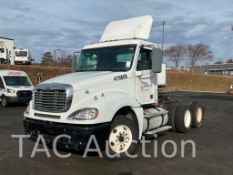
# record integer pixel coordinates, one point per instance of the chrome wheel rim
(199, 114)
(187, 118)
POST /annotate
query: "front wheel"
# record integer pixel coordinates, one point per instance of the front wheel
(123, 138)
(4, 101)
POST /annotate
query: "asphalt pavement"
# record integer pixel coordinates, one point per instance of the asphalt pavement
(214, 150)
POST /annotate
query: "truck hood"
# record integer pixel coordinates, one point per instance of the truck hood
(18, 88)
(86, 80)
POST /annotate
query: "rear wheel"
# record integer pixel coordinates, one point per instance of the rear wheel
(197, 112)
(183, 118)
(4, 101)
(123, 137)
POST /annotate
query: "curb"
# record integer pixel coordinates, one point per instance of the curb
(213, 92)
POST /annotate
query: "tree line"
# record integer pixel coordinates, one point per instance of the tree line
(48, 59)
(192, 53)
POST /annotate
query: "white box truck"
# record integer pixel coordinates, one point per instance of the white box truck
(22, 56)
(6, 50)
(112, 94)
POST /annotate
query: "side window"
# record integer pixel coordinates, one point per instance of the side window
(144, 60)
(1, 84)
(1, 50)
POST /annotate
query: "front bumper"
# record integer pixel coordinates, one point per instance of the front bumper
(79, 134)
(21, 61)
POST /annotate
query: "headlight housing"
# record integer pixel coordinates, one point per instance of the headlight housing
(84, 114)
(11, 91)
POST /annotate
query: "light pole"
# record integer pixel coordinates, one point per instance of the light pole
(163, 23)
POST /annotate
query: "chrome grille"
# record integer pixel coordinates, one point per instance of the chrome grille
(51, 98)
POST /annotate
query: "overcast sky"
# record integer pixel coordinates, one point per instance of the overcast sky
(44, 25)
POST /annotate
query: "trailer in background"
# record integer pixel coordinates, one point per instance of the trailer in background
(6, 50)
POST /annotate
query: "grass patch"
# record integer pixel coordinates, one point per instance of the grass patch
(175, 80)
(31, 70)
(197, 82)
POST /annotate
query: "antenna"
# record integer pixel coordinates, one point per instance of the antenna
(163, 23)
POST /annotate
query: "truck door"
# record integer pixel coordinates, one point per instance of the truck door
(1, 87)
(145, 78)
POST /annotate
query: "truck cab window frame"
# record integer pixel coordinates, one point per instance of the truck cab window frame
(112, 58)
(144, 60)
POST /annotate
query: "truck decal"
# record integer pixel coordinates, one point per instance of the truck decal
(120, 77)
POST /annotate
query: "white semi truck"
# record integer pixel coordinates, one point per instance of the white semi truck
(112, 94)
(6, 50)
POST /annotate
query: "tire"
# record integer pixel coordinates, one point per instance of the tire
(123, 137)
(171, 115)
(197, 112)
(4, 102)
(183, 118)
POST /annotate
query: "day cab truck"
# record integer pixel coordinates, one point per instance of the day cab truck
(111, 94)
(15, 87)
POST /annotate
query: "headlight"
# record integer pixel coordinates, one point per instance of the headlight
(11, 91)
(27, 109)
(84, 114)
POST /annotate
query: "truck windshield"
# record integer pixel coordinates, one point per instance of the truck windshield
(115, 58)
(17, 81)
(1, 50)
(21, 53)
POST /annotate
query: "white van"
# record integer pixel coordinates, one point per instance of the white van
(22, 56)
(15, 87)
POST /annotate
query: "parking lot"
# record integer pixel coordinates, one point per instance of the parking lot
(213, 147)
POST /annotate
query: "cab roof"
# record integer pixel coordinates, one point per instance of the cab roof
(20, 49)
(118, 43)
(6, 72)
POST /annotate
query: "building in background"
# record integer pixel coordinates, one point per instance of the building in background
(216, 69)
(6, 50)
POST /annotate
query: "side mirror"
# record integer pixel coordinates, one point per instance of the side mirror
(76, 56)
(157, 59)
